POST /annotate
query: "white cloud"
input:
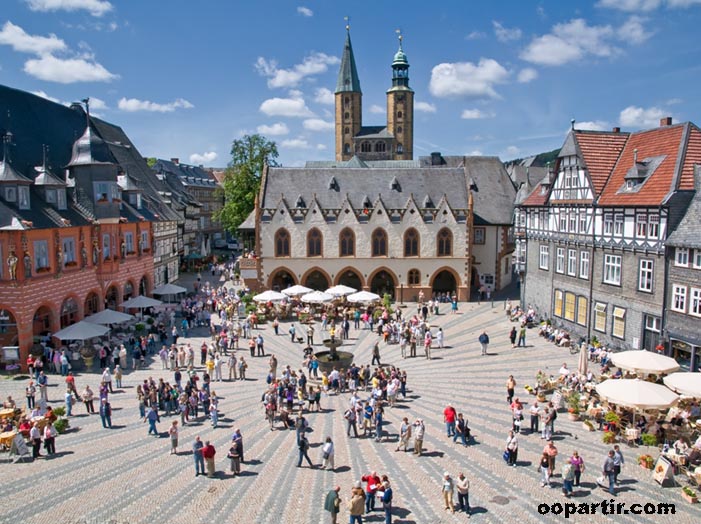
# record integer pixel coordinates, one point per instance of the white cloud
(378, 110)
(467, 79)
(305, 11)
(295, 143)
(317, 124)
(14, 36)
(132, 105)
(425, 107)
(592, 125)
(475, 114)
(313, 64)
(633, 30)
(67, 70)
(630, 5)
(294, 106)
(277, 129)
(475, 35)
(324, 96)
(321, 147)
(527, 74)
(505, 34)
(94, 7)
(97, 103)
(682, 3)
(673, 101)
(204, 158)
(512, 151)
(475, 152)
(633, 116)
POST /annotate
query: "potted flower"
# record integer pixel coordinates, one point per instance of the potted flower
(573, 405)
(648, 439)
(609, 437)
(88, 354)
(646, 461)
(689, 495)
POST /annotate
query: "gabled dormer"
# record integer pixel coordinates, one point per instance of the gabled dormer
(131, 192)
(571, 181)
(14, 187)
(52, 188)
(640, 172)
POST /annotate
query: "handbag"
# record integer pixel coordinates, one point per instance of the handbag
(326, 455)
(505, 456)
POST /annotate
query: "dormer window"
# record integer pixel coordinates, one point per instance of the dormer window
(300, 202)
(61, 199)
(50, 196)
(11, 194)
(23, 195)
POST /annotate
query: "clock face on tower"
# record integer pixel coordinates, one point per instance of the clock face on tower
(400, 98)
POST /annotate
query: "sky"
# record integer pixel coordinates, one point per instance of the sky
(184, 78)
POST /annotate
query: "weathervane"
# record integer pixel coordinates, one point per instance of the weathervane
(347, 19)
(399, 36)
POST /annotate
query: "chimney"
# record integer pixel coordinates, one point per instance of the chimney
(436, 159)
(176, 161)
(616, 129)
(666, 121)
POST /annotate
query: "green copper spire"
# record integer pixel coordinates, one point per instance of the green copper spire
(400, 67)
(348, 74)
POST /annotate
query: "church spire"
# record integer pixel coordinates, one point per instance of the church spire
(348, 74)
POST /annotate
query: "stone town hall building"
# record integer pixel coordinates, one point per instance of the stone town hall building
(377, 219)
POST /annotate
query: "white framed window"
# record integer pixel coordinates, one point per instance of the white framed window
(563, 221)
(584, 264)
(129, 241)
(696, 260)
(612, 269)
(41, 254)
(50, 196)
(572, 262)
(544, 257)
(618, 221)
(570, 304)
(573, 222)
(582, 220)
(653, 226)
(106, 251)
(61, 199)
(557, 306)
(23, 196)
(144, 241)
(681, 257)
(653, 323)
(695, 301)
(68, 247)
(608, 223)
(582, 311)
(679, 298)
(645, 275)
(11, 194)
(641, 226)
(600, 317)
(618, 328)
(560, 260)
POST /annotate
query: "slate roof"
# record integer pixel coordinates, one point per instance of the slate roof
(495, 193)
(348, 73)
(686, 233)
(189, 175)
(600, 150)
(374, 132)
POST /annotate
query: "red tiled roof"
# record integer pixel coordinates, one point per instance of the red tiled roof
(663, 141)
(600, 152)
(537, 197)
(693, 156)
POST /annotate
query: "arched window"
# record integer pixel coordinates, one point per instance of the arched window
(347, 243)
(347, 100)
(282, 243)
(411, 243)
(365, 147)
(445, 243)
(346, 130)
(346, 149)
(414, 277)
(399, 114)
(314, 241)
(346, 115)
(400, 148)
(379, 243)
(399, 129)
(380, 147)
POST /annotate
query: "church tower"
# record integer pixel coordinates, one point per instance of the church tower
(400, 108)
(349, 103)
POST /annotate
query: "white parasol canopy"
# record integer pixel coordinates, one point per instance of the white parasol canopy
(141, 302)
(642, 361)
(687, 384)
(317, 297)
(269, 296)
(340, 290)
(363, 296)
(296, 290)
(169, 289)
(81, 331)
(583, 364)
(636, 393)
(108, 316)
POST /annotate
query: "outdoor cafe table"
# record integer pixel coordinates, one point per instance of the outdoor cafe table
(7, 413)
(6, 439)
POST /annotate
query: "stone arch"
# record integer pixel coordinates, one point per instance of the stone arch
(9, 334)
(441, 280)
(144, 286)
(129, 290)
(281, 278)
(350, 276)
(43, 320)
(112, 295)
(91, 305)
(383, 280)
(317, 275)
(70, 311)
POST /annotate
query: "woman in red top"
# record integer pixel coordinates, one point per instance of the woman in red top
(208, 453)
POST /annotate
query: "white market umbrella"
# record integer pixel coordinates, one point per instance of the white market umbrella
(363, 297)
(269, 296)
(583, 364)
(340, 290)
(317, 297)
(108, 316)
(81, 331)
(636, 393)
(141, 302)
(296, 290)
(687, 384)
(645, 362)
(169, 289)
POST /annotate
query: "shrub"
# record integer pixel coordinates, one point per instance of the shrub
(573, 402)
(61, 425)
(612, 417)
(139, 327)
(649, 439)
(609, 437)
(59, 411)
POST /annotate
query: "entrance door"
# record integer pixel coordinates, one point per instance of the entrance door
(651, 333)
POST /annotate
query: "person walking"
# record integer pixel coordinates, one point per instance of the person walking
(484, 342)
(544, 467)
(152, 417)
(208, 452)
(534, 411)
(463, 488)
(68, 399)
(376, 354)
(372, 484)
(447, 488)
(356, 503)
(106, 413)
(231, 364)
(510, 388)
(419, 430)
(404, 434)
(512, 336)
(327, 455)
(118, 375)
(460, 430)
(173, 433)
(351, 416)
(35, 438)
(237, 440)
(30, 392)
(235, 459)
(449, 415)
(567, 478)
(521, 336)
(512, 448)
(303, 446)
(617, 463)
(551, 451)
(578, 466)
(609, 472)
(332, 503)
(387, 496)
(50, 438)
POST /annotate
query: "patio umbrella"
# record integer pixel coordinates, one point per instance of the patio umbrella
(645, 362)
(317, 297)
(141, 302)
(81, 331)
(583, 364)
(296, 290)
(340, 290)
(687, 384)
(169, 289)
(636, 393)
(363, 297)
(108, 316)
(269, 296)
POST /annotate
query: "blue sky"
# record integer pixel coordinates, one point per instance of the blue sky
(185, 78)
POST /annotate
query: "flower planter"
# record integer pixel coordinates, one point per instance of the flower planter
(647, 466)
(691, 499)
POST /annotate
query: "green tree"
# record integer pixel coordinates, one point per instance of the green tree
(242, 179)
